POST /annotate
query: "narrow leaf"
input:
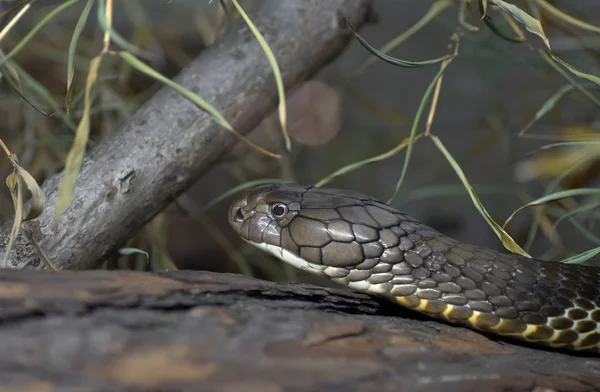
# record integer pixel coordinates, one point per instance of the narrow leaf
(548, 105)
(505, 238)
(554, 197)
(277, 73)
(114, 36)
(37, 27)
(576, 71)
(558, 14)
(437, 8)
(194, 98)
(72, 47)
(357, 165)
(75, 155)
(582, 257)
(415, 125)
(531, 24)
(393, 60)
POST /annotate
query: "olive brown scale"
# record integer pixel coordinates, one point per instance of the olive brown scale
(357, 241)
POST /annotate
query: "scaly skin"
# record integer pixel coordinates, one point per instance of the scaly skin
(368, 246)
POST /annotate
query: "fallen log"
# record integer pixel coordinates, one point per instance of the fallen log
(200, 331)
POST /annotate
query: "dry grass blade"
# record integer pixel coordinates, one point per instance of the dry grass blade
(531, 24)
(72, 47)
(199, 102)
(15, 181)
(357, 165)
(38, 198)
(276, 72)
(433, 12)
(14, 21)
(75, 155)
(507, 241)
(37, 28)
(558, 14)
(555, 197)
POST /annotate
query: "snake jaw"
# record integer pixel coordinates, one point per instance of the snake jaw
(290, 258)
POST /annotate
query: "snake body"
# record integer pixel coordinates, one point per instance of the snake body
(366, 245)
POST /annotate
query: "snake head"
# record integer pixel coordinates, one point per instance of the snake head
(329, 232)
(260, 216)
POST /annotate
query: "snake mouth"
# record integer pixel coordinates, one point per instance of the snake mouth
(289, 258)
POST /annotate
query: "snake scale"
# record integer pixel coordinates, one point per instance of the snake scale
(366, 245)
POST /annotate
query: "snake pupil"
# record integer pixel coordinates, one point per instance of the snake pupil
(279, 210)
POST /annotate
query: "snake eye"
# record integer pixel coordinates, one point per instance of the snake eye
(279, 210)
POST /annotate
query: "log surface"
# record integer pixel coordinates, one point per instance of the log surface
(191, 331)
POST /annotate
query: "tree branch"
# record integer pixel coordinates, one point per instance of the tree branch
(169, 143)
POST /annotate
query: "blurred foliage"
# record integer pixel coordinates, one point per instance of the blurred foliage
(73, 71)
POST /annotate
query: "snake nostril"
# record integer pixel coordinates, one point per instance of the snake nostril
(238, 216)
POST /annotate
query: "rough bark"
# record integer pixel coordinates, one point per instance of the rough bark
(200, 331)
(169, 143)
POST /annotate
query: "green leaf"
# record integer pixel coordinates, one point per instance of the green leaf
(558, 14)
(72, 46)
(531, 24)
(114, 36)
(278, 79)
(25, 40)
(357, 165)
(554, 197)
(437, 8)
(505, 238)
(582, 257)
(576, 71)
(194, 98)
(548, 56)
(393, 60)
(548, 105)
(131, 251)
(415, 125)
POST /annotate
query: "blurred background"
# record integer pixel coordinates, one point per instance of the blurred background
(500, 105)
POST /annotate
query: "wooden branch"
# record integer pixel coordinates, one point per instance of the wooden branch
(169, 143)
(200, 331)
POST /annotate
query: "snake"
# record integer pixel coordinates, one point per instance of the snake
(366, 245)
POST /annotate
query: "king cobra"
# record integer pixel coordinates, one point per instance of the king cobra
(366, 245)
